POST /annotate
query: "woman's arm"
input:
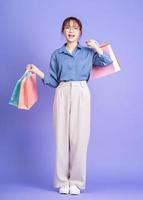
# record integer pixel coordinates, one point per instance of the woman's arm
(94, 45)
(100, 58)
(36, 70)
(51, 77)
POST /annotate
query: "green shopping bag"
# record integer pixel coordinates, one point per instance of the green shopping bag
(14, 100)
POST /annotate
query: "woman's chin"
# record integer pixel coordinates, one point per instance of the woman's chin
(71, 40)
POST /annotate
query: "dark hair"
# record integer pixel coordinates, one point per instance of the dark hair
(67, 20)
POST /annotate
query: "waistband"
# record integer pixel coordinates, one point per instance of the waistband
(82, 83)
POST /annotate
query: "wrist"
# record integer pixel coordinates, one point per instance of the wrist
(98, 50)
(39, 73)
(35, 70)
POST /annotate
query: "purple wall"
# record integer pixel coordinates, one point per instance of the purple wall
(30, 31)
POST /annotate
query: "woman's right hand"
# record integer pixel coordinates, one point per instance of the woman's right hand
(31, 68)
(36, 70)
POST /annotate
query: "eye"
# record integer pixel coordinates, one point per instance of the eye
(67, 27)
(75, 28)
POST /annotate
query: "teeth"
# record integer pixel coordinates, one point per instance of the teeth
(71, 35)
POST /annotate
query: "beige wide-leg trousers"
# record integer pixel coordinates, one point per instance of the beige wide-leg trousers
(71, 119)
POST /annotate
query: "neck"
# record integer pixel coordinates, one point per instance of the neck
(71, 45)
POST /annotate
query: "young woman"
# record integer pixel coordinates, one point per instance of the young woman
(69, 73)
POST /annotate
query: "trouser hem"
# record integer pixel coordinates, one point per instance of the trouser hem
(81, 186)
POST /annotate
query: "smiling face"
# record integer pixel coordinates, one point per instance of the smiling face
(72, 31)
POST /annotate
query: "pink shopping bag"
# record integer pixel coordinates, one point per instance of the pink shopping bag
(98, 71)
(28, 93)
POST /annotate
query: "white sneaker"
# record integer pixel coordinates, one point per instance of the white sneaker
(64, 189)
(74, 189)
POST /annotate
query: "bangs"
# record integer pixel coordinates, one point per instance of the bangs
(67, 23)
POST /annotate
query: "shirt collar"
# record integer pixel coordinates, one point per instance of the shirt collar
(63, 48)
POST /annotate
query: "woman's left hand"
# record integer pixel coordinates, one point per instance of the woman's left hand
(91, 43)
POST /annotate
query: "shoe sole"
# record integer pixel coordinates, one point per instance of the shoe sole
(74, 193)
(63, 193)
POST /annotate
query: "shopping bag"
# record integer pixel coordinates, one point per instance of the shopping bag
(25, 94)
(28, 92)
(98, 71)
(14, 100)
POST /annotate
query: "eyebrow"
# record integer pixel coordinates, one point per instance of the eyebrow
(72, 26)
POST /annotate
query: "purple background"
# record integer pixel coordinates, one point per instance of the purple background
(29, 32)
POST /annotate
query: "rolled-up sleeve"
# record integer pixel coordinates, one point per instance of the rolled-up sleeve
(51, 77)
(102, 60)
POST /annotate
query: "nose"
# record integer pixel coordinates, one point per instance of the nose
(71, 29)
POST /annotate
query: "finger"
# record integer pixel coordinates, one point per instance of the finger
(88, 42)
(90, 46)
(29, 67)
(93, 41)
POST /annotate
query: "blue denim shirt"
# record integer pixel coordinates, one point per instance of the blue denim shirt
(77, 66)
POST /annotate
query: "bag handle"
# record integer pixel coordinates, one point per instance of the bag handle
(26, 74)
